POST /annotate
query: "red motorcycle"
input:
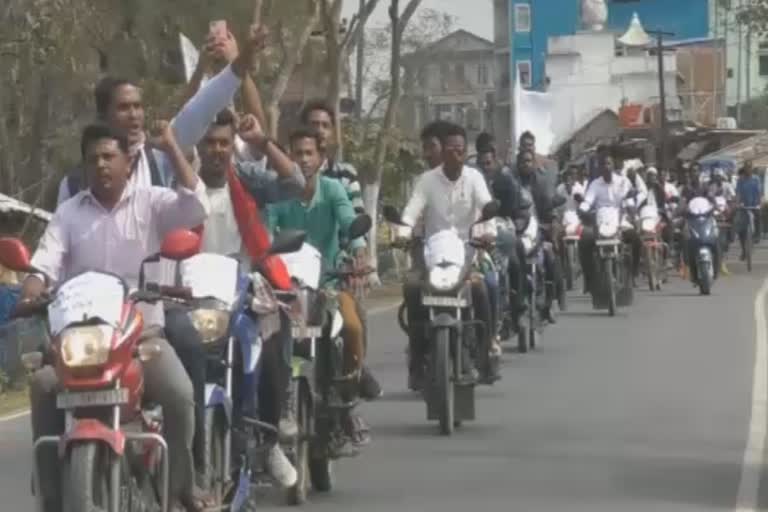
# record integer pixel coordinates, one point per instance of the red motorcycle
(112, 454)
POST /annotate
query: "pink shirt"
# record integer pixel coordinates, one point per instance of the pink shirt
(84, 236)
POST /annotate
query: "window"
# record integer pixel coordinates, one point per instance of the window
(482, 74)
(522, 18)
(445, 70)
(762, 53)
(524, 70)
(763, 65)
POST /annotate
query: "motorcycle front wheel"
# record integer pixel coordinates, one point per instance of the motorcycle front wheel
(443, 380)
(85, 478)
(297, 495)
(610, 285)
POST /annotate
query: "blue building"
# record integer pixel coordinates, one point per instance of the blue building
(532, 22)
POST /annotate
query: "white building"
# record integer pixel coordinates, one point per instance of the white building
(590, 72)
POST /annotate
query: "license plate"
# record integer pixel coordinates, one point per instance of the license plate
(571, 238)
(92, 398)
(603, 243)
(304, 332)
(444, 302)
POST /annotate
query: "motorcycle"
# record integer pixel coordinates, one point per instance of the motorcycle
(234, 313)
(113, 456)
(318, 364)
(654, 264)
(614, 262)
(703, 240)
(570, 253)
(453, 342)
(530, 324)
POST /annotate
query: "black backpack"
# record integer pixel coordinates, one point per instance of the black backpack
(75, 178)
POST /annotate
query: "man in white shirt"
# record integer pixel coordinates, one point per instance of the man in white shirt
(119, 104)
(111, 227)
(571, 189)
(449, 197)
(609, 190)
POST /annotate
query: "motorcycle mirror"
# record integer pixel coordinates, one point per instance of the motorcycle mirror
(180, 244)
(287, 241)
(490, 211)
(360, 226)
(14, 255)
(392, 216)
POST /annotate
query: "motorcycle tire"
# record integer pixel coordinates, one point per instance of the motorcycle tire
(215, 430)
(321, 474)
(85, 478)
(297, 495)
(570, 268)
(522, 334)
(610, 285)
(704, 277)
(651, 268)
(444, 381)
(533, 327)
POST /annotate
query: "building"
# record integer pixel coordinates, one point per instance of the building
(450, 79)
(526, 26)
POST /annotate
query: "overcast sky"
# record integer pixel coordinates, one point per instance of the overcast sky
(473, 15)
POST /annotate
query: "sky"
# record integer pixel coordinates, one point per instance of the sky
(475, 16)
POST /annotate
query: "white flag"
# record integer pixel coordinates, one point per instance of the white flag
(533, 113)
(189, 54)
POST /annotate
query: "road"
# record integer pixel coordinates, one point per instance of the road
(646, 411)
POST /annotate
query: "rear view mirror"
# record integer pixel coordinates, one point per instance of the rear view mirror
(180, 244)
(392, 216)
(287, 241)
(14, 255)
(490, 211)
(360, 226)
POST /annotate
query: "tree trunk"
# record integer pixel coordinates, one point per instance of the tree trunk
(371, 204)
(292, 57)
(371, 194)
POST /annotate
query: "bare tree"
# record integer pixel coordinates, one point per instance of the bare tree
(399, 22)
(290, 59)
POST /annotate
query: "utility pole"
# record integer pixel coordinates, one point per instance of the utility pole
(739, 71)
(662, 95)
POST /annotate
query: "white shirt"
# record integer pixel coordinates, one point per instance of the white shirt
(221, 234)
(601, 194)
(670, 190)
(577, 189)
(447, 204)
(642, 189)
(84, 236)
(190, 126)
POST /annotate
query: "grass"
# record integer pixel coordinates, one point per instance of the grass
(13, 400)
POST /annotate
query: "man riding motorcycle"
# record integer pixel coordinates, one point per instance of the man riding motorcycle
(125, 225)
(541, 188)
(609, 190)
(237, 191)
(324, 211)
(450, 196)
(514, 208)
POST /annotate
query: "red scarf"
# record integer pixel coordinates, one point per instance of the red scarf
(253, 233)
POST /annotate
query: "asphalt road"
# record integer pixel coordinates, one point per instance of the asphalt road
(646, 411)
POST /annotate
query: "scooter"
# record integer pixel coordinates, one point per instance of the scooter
(113, 456)
(455, 336)
(703, 240)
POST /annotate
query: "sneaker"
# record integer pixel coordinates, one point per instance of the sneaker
(281, 468)
(370, 389)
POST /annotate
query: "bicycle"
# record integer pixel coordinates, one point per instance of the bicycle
(749, 239)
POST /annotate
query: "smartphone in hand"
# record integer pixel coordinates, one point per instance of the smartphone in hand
(218, 31)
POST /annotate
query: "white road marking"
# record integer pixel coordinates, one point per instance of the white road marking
(752, 463)
(375, 311)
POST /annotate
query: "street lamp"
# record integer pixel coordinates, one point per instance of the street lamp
(637, 37)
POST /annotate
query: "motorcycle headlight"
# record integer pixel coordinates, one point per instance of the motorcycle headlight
(607, 230)
(86, 345)
(444, 278)
(212, 324)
